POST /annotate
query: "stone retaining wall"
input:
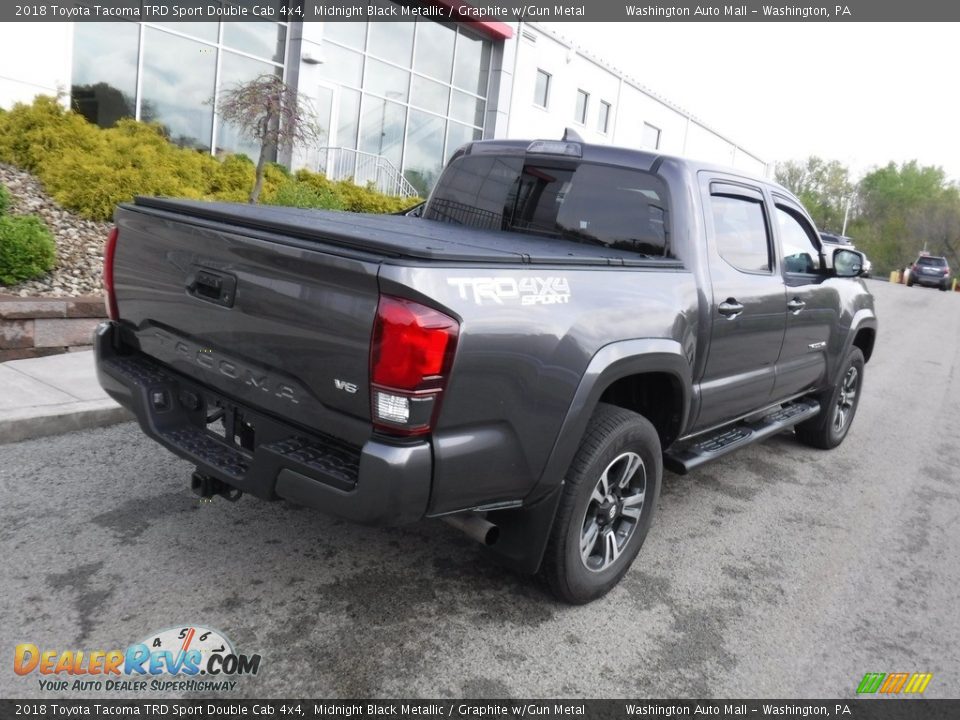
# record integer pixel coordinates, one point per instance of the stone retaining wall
(34, 327)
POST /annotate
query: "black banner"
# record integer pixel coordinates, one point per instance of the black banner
(480, 11)
(858, 709)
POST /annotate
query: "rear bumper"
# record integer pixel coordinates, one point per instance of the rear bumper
(380, 483)
(929, 280)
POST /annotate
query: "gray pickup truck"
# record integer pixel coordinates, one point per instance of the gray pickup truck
(559, 323)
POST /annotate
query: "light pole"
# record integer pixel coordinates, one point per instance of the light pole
(846, 215)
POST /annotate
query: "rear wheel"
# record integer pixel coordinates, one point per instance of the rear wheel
(608, 503)
(838, 406)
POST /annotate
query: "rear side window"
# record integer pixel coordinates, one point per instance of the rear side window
(740, 229)
(614, 207)
(932, 261)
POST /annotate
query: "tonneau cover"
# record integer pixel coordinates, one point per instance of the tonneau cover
(399, 236)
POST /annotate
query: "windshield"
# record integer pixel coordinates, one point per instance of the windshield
(557, 198)
(932, 261)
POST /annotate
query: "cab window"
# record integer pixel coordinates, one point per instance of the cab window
(740, 229)
(800, 251)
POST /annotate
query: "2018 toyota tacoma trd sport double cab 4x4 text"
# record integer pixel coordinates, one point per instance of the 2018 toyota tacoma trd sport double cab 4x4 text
(561, 323)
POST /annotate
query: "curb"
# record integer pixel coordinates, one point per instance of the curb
(43, 421)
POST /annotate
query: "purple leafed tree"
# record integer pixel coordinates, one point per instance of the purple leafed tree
(270, 112)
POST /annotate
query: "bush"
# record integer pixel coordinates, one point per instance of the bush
(27, 249)
(30, 134)
(4, 200)
(303, 195)
(90, 170)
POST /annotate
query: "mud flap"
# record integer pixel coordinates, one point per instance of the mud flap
(524, 533)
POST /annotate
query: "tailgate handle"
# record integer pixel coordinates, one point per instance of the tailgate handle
(216, 287)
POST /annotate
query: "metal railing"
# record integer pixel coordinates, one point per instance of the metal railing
(364, 169)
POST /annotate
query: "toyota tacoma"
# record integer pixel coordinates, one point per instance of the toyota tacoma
(522, 356)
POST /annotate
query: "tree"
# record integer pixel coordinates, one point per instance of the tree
(823, 187)
(900, 209)
(269, 112)
(936, 223)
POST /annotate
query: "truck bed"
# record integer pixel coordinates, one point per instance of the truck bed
(397, 236)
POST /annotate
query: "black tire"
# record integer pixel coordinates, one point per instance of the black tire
(909, 283)
(615, 439)
(829, 427)
(943, 287)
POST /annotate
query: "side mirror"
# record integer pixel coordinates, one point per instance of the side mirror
(848, 263)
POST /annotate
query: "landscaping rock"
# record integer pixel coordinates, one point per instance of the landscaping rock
(79, 242)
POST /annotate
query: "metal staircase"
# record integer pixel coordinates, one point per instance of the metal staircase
(364, 169)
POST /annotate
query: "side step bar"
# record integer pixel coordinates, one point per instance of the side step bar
(703, 449)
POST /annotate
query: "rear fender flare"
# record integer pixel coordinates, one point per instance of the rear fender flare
(863, 318)
(611, 363)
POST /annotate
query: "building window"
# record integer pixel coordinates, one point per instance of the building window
(651, 136)
(603, 121)
(423, 88)
(104, 87)
(583, 101)
(541, 93)
(179, 62)
(177, 84)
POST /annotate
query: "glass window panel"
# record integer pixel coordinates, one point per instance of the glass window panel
(424, 157)
(434, 54)
(541, 92)
(203, 30)
(178, 77)
(263, 39)
(800, 253)
(381, 132)
(351, 34)
(382, 79)
(236, 69)
(343, 66)
(104, 85)
(580, 114)
(586, 203)
(472, 64)
(741, 233)
(429, 95)
(392, 41)
(603, 121)
(651, 136)
(458, 135)
(348, 119)
(467, 108)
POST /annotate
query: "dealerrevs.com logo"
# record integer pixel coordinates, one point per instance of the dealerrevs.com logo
(185, 659)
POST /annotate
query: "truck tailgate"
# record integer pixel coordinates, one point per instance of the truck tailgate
(280, 326)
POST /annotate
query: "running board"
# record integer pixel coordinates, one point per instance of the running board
(718, 443)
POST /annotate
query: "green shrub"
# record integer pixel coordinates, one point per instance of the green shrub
(27, 249)
(4, 200)
(303, 195)
(31, 134)
(90, 170)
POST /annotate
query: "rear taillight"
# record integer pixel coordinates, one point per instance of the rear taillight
(110, 296)
(946, 271)
(410, 357)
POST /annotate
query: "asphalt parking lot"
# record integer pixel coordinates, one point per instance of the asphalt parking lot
(780, 571)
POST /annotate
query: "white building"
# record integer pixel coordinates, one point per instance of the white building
(396, 99)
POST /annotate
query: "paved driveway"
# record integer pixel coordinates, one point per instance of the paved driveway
(779, 571)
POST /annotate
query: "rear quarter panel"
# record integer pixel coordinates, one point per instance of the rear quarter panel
(522, 351)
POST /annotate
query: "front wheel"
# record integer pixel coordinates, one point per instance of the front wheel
(607, 505)
(838, 405)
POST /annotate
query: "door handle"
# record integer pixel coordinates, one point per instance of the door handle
(730, 308)
(796, 305)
